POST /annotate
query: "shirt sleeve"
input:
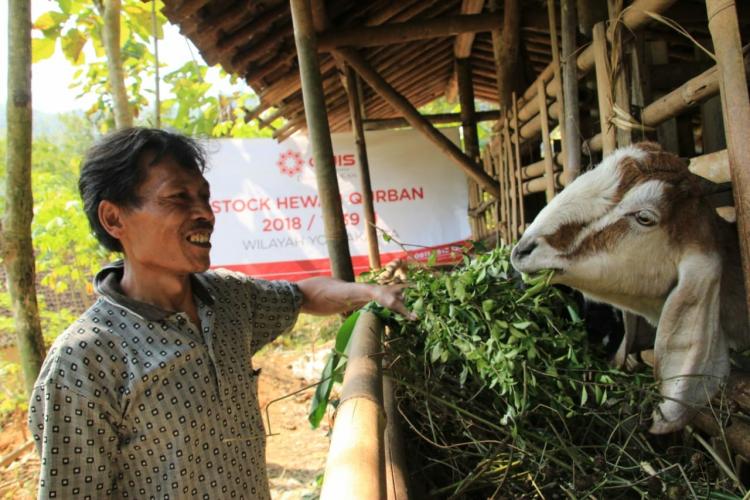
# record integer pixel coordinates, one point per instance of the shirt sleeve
(275, 307)
(76, 439)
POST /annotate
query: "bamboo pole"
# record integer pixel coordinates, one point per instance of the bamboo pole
(416, 120)
(394, 33)
(621, 92)
(368, 206)
(396, 470)
(517, 157)
(689, 94)
(512, 188)
(499, 157)
(320, 138)
(468, 115)
(356, 458)
(572, 138)
(559, 95)
(604, 89)
(391, 123)
(724, 27)
(548, 153)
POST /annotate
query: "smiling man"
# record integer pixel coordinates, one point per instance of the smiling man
(151, 392)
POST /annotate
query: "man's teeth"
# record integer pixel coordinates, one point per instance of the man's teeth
(199, 238)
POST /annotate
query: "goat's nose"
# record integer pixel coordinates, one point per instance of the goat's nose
(523, 249)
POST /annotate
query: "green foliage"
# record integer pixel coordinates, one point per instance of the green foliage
(77, 25)
(500, 387)
(66, 252)
(196, 112)
(333, 372)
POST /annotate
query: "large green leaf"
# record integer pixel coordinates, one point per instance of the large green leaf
(72, 45)
(332, 372)
(42, 48)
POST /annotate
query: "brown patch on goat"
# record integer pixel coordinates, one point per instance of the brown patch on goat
(603, 240)
(683, 203)
(565, 235)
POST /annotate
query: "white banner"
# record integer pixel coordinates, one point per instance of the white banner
(268, 216)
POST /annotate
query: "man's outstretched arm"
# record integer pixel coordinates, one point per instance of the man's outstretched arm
(324, 296)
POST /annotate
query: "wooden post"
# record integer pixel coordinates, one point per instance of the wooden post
(604, 89)
(320, 138)
(364, 168)
(559, 95)
(572, 138)
(512, 181)
(548, 153)
(722, 22)
(416, 120)
(502, 182)
(517, 150)
(355, 467)
(621, 91)
(468, 116)
(505, 50)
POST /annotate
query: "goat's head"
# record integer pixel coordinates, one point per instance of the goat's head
(636, 232)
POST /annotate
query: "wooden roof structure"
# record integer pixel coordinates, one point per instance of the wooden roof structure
(412, 44)
(399, 39)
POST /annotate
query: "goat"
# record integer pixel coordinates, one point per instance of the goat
(636, 232)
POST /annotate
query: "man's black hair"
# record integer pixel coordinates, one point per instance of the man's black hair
(114, 169)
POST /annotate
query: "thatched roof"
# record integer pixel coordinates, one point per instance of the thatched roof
(255, 40)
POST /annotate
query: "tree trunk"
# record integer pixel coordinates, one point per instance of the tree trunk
(110, 11)
(16, 250)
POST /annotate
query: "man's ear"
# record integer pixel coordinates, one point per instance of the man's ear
(110, 217)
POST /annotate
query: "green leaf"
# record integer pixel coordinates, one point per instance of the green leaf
(42, 48)
(50, 21)
(72, 46)
(332, 372)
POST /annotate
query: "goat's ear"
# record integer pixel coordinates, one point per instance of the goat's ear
(691, 351)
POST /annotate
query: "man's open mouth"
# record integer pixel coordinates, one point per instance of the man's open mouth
(200, 239)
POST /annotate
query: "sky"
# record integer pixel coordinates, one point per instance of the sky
(51, 78)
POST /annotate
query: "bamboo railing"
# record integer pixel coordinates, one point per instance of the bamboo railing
(365, 459)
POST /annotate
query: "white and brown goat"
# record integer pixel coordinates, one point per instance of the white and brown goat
(636, 232)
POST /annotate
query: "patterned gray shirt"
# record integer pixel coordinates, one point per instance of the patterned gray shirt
(136, 402)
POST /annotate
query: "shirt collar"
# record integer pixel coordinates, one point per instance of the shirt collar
(107, 284)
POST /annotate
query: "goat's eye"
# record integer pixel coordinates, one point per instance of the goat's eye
(645, 218)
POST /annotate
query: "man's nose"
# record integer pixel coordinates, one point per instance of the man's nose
(203, 210)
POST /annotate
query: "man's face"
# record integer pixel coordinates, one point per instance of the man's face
(171, 229)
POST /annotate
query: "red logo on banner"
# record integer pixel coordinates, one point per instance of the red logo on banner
(290, 163)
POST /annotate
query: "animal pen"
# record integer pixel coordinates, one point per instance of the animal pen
(561, 83)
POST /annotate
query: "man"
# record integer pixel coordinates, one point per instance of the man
(151, 392)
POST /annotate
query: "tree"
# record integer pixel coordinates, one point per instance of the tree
(109, 41)
(15, 244)
(110, 12)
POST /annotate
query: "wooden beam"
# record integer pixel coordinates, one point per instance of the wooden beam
(505, 49)
(464, 41)
(680, 99)
(401, 104)
(557, 69)
(468, 113)
(604, 89)
(724, 27)
(571, 112)
(364, 168)
(320, 138)
(548, 153)
(370, 36)
(391, 123)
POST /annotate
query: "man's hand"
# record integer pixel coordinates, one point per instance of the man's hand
(392, 297)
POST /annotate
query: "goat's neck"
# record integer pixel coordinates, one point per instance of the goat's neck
(648, 307)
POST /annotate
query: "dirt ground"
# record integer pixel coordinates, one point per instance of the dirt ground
(295, 454)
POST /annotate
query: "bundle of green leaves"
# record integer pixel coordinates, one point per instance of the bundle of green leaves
(503, 396)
